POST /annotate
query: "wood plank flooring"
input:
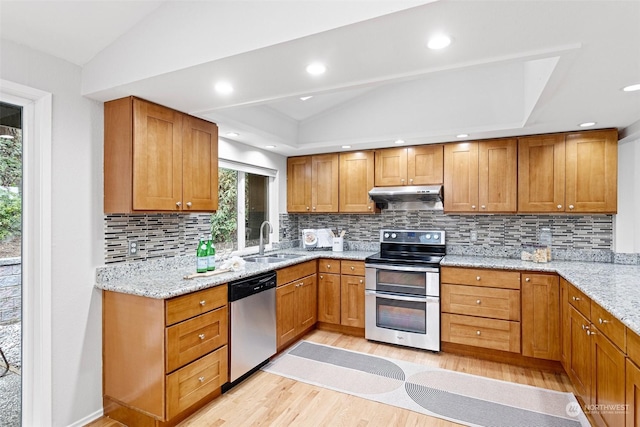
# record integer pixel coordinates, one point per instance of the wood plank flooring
(270, 400)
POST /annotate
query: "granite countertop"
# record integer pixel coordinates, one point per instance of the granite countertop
(615, 287)
(165, 278)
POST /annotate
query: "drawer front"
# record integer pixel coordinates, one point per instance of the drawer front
(480, 332)
(353, 268)
(326, 265)
(481, 277)
(187, 306)
(580, 301)
(484, 302)
(633, 347)
(611, 327)
(295, 272)
(193, 338)
(188, 385)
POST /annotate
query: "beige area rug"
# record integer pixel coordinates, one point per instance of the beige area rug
(462, 398)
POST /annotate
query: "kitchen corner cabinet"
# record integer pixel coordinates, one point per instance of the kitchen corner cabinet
(158, 159)
(480, 177)
(356, 179)
(574, 172)
(296, 302)
(420, 165)
(341, 286)
(163, 359)
(540, 316)
(312, 183)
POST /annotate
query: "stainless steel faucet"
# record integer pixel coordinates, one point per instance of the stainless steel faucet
(261, 244)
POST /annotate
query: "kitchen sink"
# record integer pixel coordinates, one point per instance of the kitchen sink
(269, 259)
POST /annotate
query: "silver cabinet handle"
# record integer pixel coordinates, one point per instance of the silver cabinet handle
(201, 379)
(321, 276)
(559, 206)
(602, 321)
(527, 279)
(188, 204)
(477, 301)
(361, 281)
(203, 302)
(178, 204)
(328, 265)
(473, 206)
(307, 207)
(477, 332)
(201, 336)
(483, 207)
(477, 277)
(590, 332)
(314, 208)
(369, 207)
(571, 207)
(402, 180)
(397, 297)
(411, 181)
(576, 298)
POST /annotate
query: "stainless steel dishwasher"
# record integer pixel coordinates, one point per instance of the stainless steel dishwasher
(252, 324)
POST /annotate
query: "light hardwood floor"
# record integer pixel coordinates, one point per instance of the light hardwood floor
(270, 400)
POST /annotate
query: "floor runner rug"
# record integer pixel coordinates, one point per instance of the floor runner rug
(462, 398)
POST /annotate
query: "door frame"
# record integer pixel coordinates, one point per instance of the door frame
(37, 392)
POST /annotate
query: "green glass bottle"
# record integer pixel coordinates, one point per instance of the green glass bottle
(211, 255)
(202, 256)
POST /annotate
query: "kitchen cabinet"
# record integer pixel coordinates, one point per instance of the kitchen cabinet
(163, 359)
(480, 177)
(633, 380)
(579, 357)
(312, 183)
(565, 342)
(329, 293)
(608, 379)
(341, 296)
(574, 172)
(419, 165)
(356, 179)
(540, 316)
(296, 302)
(158, 159)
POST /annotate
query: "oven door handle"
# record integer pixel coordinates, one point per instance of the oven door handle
(399, 297)
(403, 268)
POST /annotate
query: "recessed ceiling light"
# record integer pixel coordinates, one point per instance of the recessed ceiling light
(223, 88)
(587, 124)
(438, 42)
(462, 135)
(316, 69)
(346, 146)
(269, 146)
(233, 134)
(6, 136)
(399, 141)
(304, 98)
(631, 88)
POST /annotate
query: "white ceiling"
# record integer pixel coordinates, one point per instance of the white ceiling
(513, 68)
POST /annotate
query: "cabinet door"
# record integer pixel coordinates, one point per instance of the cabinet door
(199, 165)
(356, 179)
(391, 167)
(592, 172)
(565, 349)
(299, 184)
(352, 289)
(541, 316)
(541, 173)
(425, 164)
(579, 354)
(324, 183)
(285, 314)
(157, 157)
(306, 303)
(608, 380)
(329, 298)
(633, 394)
(497, 175)
(461, 177)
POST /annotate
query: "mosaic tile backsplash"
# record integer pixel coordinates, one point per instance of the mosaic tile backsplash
(575, 237)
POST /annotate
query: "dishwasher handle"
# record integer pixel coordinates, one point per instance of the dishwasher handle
(251, 285)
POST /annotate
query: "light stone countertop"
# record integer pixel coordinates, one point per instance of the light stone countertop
(615, 287)
(164, 278)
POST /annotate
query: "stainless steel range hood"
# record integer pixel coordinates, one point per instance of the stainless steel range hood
(409, 193)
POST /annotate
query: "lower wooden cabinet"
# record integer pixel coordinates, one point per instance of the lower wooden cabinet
(541, 316)
(329, 298)
(341, 296)
(352, 301)
(296, 309)
(579, 357)
(632, 394)
(607, 381)
(494, 334)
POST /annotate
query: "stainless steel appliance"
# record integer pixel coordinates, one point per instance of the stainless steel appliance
(252, 319)
(402, 296)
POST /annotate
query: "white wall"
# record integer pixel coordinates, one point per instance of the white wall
(627, 221)
(77, 229)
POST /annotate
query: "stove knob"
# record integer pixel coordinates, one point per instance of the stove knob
(393, 235)
(436, 236)
(386, 235)
(428, 236)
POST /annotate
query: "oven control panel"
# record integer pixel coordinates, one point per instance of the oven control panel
(421, 237)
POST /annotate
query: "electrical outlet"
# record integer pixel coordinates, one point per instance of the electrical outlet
(473, 236)
(133, 247)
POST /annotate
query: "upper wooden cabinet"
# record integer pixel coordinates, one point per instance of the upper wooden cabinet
(480, 176)
(158, 159)
(356, 179)
(421, 165)
(312, 183)
(575, 172)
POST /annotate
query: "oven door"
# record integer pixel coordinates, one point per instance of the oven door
(412, 321)
(403, 279)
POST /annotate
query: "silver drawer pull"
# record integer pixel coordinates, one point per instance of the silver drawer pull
(576, 298)
(352, 268)
(478, 332)
(201, 379)
(527, 279)
(178, 204)
(321, 276)
(361, 281)
(328, 265)
(602, 321)
(559, 206)
(188, 204)
(477, 277)
(591, 333)
(478, 302)
(201, 336)
(203, 302)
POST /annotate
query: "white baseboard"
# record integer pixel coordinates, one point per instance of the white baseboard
(89, 418)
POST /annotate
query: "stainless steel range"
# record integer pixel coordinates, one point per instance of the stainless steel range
(402, 296)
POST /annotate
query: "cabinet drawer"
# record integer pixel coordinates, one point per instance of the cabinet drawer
(289, 274)
(195, 381)
(187, 306)
(633, 347)
(353, 268)
(611, 327)
(484, 302)
(481, 277)
(480, 332)
(580, 301)
(193, 338)
(326, 265)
